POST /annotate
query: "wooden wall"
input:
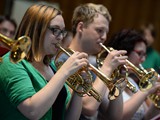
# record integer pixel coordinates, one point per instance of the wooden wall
(2, 7)
(125, 13)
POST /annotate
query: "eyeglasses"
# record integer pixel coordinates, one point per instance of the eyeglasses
(5, 31)
(140, 53)
(57, 32)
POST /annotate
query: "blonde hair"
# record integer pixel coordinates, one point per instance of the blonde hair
(85, 13)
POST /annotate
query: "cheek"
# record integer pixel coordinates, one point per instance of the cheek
(49, 47)
(132, 58)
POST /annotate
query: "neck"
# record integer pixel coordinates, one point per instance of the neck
(44, 70)
(76, 45)
(38, 64)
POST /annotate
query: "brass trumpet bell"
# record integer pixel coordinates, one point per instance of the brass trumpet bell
(19, 48)
(81, 81)
(147, 77)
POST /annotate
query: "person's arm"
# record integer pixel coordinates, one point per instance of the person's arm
(152, 112)
(37, 105)
(111, 110)
(154, 109)
(91, 105)
(74, 109)
(132, 105)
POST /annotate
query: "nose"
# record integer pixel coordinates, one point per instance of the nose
(60, 37)
(8, 34)
(104, 36)
(143, 58)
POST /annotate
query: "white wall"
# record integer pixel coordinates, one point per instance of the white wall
(20, 6)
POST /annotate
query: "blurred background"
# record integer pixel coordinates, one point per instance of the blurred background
(125, 13)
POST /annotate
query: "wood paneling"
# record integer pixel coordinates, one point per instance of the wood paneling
(125, 13)
(2, 4)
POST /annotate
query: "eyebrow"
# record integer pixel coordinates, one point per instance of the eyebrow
(56, 26)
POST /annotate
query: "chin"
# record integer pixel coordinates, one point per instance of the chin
(95, 52)
(98, 50)
(137, 65)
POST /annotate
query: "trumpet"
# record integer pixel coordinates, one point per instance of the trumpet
(154, 97)
(19, 48)
(155, 100)
(82, 86)
(117, 73)
(147, 77)
(78, 82)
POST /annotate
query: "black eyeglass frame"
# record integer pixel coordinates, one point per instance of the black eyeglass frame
(57, 31)
(140, 54)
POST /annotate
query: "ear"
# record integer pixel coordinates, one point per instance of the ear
(80, 27)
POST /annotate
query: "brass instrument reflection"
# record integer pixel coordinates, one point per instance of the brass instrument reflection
(18, 48)
(155, 98)
(81, 81)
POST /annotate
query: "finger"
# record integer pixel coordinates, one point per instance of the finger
(82, 55)
(120, 52)
(76, 53)
(83, 62)
(123, 58)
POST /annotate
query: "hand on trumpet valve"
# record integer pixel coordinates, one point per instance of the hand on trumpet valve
(115, 59)
(155, 89)
(76, 62)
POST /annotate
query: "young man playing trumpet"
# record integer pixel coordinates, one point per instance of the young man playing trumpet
(90, 25)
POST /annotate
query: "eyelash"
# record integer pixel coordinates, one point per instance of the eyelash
(99, 30)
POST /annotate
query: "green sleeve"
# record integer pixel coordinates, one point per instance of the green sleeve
(14, 80)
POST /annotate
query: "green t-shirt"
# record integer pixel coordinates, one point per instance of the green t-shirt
(17, 83)
(152, 60)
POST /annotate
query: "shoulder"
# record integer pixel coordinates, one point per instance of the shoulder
(9, 69)
(6, 63)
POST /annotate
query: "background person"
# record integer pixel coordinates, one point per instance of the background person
(90, 25)
(135, 107)
(8, 28)
(153, 56)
